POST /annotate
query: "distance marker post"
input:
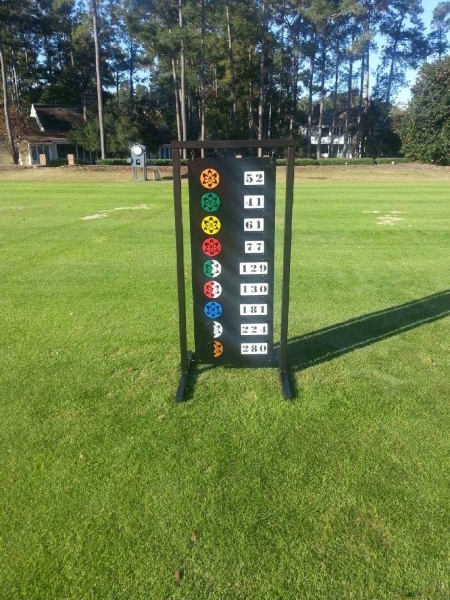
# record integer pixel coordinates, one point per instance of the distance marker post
(232, 229)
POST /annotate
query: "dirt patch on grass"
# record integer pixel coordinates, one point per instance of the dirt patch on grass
(105, 213)
(388, 220)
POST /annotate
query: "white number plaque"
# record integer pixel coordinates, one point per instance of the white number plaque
(254, 328)
(253, 224)
(253, 348)
(253, 177)
(253, 268)
(253, 201)
(253, 309)
(254, 289)
(254, 247)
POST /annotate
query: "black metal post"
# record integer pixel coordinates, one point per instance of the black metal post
(185, 355)
(286, 272)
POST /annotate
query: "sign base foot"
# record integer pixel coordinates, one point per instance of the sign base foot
(284, 379)
(183, 379)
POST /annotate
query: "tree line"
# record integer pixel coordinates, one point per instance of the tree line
(217, 69)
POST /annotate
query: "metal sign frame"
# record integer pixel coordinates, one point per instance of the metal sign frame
(281, 352)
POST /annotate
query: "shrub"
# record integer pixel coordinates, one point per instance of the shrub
(112, 161)
(164, 162)
(388, 161)
(306, 162)
(57, 162)
(159, 162)
(330, 162)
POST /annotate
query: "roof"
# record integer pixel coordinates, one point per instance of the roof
(52, 122)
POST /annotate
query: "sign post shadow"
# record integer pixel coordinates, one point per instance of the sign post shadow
(232, 228)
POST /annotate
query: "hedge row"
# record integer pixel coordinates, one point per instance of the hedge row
(299, 162)
(330, 162)
(388, 161)
(62, 162)
(152, 162)
(112, 161)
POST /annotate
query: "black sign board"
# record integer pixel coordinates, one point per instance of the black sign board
(232, 219)
(232, 227)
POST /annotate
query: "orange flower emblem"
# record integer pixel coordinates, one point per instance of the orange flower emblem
(209, 178)
(218, 349)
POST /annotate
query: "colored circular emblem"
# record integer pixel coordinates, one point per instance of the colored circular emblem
(210, 202)
(213, 310)
(212, 289)
(218, 349)
(218, 329)
(211, 225)
(209, 178)
(212, 268)
(211, 247)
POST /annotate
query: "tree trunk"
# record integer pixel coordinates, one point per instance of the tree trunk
(294, 96)
(336, 87)
(202, 82)
(367, 81)
(251, 115)
(360, 105)
(322, 103)
(131, 72)
(261, 80)
(280, 93)
(16, 81)
(99, 79)
(310, 104)
(233, 78)
(12, 146)
(183, 76)
(348, 108)
(177, 98)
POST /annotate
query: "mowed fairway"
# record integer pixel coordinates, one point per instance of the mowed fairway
(110, 490)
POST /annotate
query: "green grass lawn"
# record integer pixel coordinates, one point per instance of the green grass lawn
(110, 490)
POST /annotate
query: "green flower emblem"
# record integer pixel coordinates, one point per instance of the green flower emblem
(210, 202)
(212, 268)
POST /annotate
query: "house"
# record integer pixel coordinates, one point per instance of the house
(164, 151)
(50, 126)
(332, 138)
(47, 133)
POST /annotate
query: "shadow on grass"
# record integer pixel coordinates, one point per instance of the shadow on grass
(331, 342)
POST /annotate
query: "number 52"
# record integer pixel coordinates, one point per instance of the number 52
(254, 178)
